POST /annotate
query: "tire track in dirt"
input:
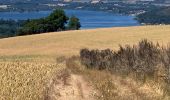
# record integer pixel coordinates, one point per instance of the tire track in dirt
(70, 87)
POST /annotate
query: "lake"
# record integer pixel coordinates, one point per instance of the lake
(88, 19)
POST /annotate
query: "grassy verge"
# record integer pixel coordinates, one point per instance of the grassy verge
(111, 86)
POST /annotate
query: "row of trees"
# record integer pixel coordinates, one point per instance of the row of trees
(56, 21)
(8, 28)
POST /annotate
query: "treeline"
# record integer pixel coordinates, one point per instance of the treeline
(56, 21)
(144, 61)
(8, 28)
(155, 16)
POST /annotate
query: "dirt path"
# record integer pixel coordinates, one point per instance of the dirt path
(69, 86)
(74, 87)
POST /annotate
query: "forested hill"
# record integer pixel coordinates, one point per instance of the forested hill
(155, 16)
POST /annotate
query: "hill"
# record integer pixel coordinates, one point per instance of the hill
(41, 67)
(155, 16)
(69, 43)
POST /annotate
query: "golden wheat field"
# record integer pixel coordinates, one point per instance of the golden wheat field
(28, 63)
(23, 80)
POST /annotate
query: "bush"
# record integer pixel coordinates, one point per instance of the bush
(145, 59)
(95, 58)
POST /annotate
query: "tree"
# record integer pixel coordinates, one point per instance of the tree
(57, 20)
(54, 22)
(74, 23)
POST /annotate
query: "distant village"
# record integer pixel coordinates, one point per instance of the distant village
(135, 7)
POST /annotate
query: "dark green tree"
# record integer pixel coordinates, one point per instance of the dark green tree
(54, 22)
(57, 20)
(74, 23)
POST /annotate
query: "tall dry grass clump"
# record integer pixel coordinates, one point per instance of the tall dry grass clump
(144, 61)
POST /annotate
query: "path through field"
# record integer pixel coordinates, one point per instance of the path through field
(69, 86)
(72, 88)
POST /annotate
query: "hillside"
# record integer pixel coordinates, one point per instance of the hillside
(69, 43)
(155, 16)
(59, 75)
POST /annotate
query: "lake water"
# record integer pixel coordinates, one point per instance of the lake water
(88, 19)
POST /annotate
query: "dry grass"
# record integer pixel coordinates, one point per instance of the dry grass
(109, 86)
(113, 87)
(25, 80)
(28, 78)
(70, 42)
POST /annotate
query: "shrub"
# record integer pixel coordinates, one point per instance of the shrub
(145, 60)
(95, 58)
